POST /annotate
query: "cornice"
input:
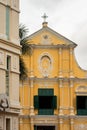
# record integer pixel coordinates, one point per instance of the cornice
(57, 79)
(11, 7)
(80, 117)
(43, 79)
(38, 116)
(9, 43)
(52, 46)
(5, 44)
(54, 116)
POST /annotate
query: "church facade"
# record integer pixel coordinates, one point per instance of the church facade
(54, 96)
(9, 65)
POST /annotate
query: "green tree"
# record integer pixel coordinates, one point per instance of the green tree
(25, 50)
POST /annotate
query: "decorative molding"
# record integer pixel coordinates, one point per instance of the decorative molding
(36, 79)
(61, 121)
(46, 39)
(60, 51)
(51, 46)
(32, 111)
(71, 121)
(4, 102)
(9, 43)
(1, 122)
(71, 51)
(45, 64)
(15, 123)
(15, 64)
(71, 83)
(65, 79)
(80, 127)
(31, 84)
(81, 90)
(1, 57)
(60, 83)
(14, 104)
(10, 49)
(40, 119)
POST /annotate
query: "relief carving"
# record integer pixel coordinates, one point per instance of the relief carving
(4, 103)
(1, 58)
(15, 122)
(81, 90)
(46, 39)
(15, 62)
(45, 65)
(1, 123)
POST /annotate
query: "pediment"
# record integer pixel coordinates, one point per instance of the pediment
(81, 90)
(47, 36)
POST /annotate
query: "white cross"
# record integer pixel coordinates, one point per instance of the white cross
(44, 17)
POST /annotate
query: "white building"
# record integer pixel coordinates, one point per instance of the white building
(9, 64)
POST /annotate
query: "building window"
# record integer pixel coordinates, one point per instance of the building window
(81, 105)
(8, 66)
(45, 102)
(7, 124)
(7, 21)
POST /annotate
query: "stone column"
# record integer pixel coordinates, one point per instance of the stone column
(60, 124)
(61, 96)
(71, 62)
(31, 98)
(31, 64)
(71, 98)
(71, 124)
(31, 124)
(60, 62)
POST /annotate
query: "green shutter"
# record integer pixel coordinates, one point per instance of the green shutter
(54, 102)
(77, 104)
(86, 103)
(77, 98)
(7, 21)
(45, 92)
(36, 102)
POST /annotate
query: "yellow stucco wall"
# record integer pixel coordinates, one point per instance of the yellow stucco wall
(63, 75)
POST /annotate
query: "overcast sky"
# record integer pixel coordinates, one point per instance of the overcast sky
(67, 17)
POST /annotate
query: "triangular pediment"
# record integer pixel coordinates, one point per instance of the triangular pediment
(47, 36)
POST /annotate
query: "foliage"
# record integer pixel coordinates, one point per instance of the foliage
(23, 70)
(26, 50)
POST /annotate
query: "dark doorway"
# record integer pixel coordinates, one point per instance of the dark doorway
(44, 128)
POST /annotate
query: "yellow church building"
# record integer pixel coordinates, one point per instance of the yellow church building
(54, 96)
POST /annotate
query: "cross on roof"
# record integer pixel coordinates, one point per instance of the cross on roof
(44, 17)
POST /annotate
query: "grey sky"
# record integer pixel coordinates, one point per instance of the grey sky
(67, 17)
